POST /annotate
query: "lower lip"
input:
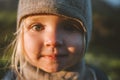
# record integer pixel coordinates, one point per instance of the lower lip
(53, 57)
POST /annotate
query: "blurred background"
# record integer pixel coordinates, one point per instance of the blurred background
(104, 49)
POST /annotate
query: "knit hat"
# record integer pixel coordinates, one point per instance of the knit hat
(77, 9)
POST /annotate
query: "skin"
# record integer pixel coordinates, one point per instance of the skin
(52, 43)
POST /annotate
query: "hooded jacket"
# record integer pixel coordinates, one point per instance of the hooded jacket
(93, 73)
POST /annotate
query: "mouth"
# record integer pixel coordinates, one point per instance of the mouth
(55, 56)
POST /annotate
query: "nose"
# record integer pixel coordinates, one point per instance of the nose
(53, 39)
(53, 44)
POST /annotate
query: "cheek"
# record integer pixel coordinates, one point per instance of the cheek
(32, 45)
(75, 44)
(75, 47)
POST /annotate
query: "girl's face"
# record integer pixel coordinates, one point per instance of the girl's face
(52, 43)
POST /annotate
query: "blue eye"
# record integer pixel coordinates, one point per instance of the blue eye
(37, 27)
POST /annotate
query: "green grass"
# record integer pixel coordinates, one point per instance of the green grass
(110, 65)
(7, 17)
(7, 28)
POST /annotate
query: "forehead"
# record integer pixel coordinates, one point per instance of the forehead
(49, 17)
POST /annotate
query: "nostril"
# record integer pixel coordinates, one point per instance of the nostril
(48, 43)
(53, 43)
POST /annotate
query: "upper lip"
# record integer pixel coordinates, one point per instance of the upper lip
(58, 55)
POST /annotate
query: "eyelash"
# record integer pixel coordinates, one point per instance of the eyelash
(71, 28)
(37, 27)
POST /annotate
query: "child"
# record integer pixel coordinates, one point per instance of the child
(51, 40)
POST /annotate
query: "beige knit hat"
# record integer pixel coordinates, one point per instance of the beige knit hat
(78, 9)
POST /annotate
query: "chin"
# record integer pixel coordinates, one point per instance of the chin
(50, 69)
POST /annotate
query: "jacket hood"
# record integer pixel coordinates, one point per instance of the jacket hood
(77, 9)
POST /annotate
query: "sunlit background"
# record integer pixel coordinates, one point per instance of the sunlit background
(104, 48)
